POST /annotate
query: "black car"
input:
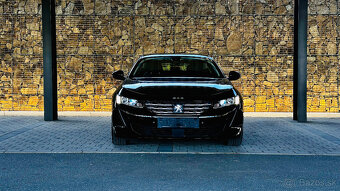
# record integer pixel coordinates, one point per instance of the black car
(177, 96)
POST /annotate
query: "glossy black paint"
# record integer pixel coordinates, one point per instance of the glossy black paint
(119, 75)
(233, 75)
(128, 122)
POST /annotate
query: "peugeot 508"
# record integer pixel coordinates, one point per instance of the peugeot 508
(177, 96)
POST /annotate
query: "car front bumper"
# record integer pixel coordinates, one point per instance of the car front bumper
(129, 125)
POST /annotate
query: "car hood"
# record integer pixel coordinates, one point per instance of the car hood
(183, 90)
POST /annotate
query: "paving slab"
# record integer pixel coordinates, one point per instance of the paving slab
(91, 134)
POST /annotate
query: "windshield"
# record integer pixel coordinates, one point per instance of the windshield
(176, 66)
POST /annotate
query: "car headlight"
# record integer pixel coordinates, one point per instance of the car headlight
(128, 101)
(227, 102)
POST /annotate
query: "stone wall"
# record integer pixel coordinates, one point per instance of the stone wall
(21, 70)
(97, 37)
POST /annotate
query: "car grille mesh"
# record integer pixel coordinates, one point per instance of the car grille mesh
(168, 108)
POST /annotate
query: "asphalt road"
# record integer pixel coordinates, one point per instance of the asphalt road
(168, 172)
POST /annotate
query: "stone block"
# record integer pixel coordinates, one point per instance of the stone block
(188, 7)
(322, 36)
(322, 7)
(276, 39)
(152, 34)
(273, 7)
(75, 7)
(194, 35)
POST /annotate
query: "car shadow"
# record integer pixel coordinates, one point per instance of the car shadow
(173, 141)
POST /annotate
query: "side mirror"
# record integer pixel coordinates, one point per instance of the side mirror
(119, 75)
(233, 75)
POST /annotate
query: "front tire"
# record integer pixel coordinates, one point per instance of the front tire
(234, 141)
(117, 140)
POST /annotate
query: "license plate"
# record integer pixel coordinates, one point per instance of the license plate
(178, 123)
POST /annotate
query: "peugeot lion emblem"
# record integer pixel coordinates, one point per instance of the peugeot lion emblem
(178, 108)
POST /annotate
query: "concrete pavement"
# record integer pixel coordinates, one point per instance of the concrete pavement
(79, 134)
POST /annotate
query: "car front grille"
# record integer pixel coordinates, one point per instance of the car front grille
(168, 108)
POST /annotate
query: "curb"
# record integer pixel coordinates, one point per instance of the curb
(60, 113)
(290, 114)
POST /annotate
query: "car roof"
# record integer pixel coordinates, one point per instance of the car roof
(188, 55)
